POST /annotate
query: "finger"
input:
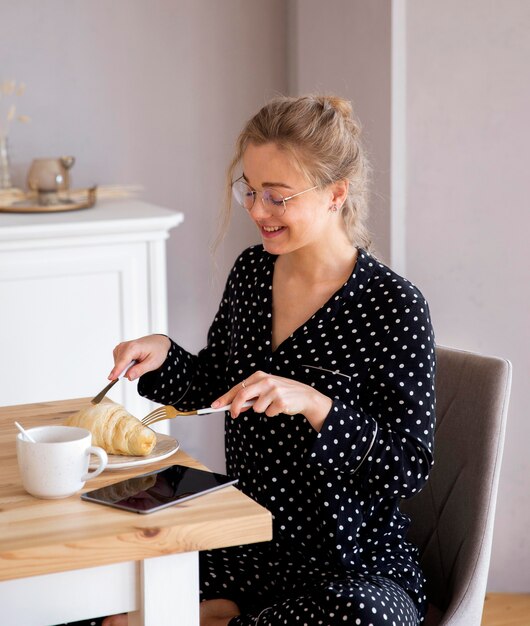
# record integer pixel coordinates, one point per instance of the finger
(265, 402)
(127, 352)
(254, 391)
(147, 364)
(239, 394)
(228, 397)
(149, 352)
(123, 367)
(274, 409)
(121, 361)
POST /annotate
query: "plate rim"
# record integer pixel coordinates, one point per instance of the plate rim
(127, 464)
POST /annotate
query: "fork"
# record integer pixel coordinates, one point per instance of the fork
(169, 412)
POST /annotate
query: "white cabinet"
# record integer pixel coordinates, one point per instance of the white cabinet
(72, 286)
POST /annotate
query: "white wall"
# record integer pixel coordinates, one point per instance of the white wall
(468, 135)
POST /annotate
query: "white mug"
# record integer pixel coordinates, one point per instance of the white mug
(56, 465)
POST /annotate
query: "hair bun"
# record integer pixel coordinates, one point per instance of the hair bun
(340, 105)
(344, 108)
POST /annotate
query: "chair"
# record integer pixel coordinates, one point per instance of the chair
(452, 517)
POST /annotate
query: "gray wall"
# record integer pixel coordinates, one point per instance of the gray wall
(449, 81)
(468, 134)
(155, 93)
(343, 47)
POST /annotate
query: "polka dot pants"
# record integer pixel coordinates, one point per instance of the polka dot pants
(273, 590)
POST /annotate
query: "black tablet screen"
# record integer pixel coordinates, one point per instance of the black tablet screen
(160, 489)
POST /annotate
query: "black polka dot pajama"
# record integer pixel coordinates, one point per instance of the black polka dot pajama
(338, 553)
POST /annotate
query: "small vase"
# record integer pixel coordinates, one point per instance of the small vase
(5, 176)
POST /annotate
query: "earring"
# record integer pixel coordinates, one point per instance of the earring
(333, 208)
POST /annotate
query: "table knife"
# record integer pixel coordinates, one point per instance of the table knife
(97, 399)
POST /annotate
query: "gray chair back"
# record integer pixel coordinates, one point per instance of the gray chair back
(452, 517)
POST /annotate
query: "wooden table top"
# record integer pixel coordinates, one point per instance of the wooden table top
(45, 536)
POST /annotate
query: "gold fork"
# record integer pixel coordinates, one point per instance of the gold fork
(169, 412)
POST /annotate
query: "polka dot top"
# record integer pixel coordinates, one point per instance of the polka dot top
(334, 495)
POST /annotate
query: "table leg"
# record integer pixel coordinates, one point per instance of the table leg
(169, 591)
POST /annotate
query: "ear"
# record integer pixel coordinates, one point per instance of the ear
(339, 192)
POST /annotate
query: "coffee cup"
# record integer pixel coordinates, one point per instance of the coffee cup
(55, 465)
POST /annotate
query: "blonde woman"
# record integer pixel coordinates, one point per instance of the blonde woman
(337, 352)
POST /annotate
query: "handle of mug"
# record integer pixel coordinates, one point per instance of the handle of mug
(103, 460)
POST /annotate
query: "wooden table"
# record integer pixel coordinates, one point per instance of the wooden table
(67, 560)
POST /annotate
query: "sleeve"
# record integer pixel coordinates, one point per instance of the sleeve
(389, 443)
(187, 381)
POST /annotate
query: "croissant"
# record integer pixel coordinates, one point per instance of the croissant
(114, 429)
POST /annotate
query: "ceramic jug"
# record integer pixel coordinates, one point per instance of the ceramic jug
(49, 176)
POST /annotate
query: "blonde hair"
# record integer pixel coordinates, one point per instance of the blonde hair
(323, 137)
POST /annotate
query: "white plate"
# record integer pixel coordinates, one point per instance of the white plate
(165, 446)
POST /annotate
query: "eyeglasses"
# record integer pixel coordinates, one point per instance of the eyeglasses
(272, 199)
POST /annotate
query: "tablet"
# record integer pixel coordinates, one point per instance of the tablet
(157, 490)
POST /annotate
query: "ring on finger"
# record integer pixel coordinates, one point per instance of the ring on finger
(244, 385)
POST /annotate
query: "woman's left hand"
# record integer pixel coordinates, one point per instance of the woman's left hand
(273, 395)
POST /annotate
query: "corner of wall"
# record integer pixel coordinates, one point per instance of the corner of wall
(398, 139)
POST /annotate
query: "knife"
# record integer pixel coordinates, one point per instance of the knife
(97, 399)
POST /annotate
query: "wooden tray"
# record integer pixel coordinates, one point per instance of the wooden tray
(84, 199)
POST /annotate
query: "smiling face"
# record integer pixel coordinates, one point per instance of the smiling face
(307, 220)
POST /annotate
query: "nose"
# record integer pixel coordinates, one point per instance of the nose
(260, 207)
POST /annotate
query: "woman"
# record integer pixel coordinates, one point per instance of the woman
(337, 353)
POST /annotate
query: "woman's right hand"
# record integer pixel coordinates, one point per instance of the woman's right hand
(149, 353)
